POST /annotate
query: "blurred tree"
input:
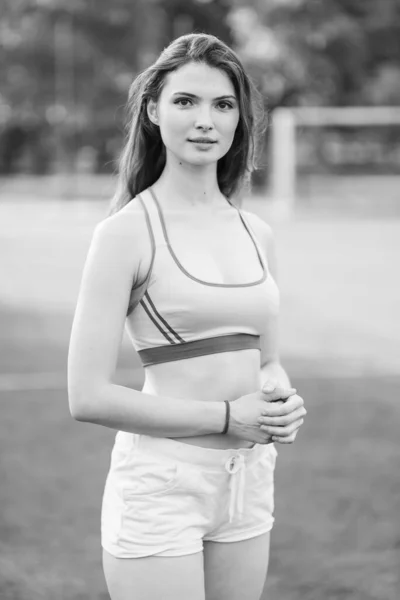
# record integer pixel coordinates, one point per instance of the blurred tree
(307, 52)
(70, 63)
(186, 16)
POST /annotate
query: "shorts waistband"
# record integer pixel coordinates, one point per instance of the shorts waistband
(207, 457)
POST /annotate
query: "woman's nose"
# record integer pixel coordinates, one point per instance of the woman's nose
(204, 120)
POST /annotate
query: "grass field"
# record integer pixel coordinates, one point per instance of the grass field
(337, 532)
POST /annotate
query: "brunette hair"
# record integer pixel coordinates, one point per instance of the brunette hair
(143, 157)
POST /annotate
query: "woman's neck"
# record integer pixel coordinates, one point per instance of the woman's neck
(189, 187)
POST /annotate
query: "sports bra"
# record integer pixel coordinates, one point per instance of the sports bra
(178, 316)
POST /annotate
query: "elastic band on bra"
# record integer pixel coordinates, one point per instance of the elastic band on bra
(213, 345)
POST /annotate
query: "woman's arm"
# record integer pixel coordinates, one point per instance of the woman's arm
(281, 422)
(271, 367)
(111, 268)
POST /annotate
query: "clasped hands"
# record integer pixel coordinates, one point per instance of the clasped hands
(283, 413)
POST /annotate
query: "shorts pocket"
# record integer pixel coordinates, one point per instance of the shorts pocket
(264, 475)
(268, 456)
(149, 478)
(273, 453)
(265, 466)
(111, 514)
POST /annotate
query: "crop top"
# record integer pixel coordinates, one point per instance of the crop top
(179, 316)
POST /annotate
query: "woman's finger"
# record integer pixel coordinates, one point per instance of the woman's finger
(279, 393)
(283, 431)
(285, 419)
(278, 409)
(285, 440)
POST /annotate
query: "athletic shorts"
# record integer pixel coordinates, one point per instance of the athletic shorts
(163, 497)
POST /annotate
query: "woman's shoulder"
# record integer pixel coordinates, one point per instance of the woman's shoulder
(260, 227)
(128, 223)
(125, 233)
(123, 237)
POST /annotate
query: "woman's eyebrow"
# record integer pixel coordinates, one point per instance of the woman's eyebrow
(197, 97)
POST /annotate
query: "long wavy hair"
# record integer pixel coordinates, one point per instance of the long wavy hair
(143, 157)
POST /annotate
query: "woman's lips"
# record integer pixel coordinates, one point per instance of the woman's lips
(202, 141)
(202, 146)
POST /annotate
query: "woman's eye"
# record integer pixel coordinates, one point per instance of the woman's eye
(226, 104)
(180, 100)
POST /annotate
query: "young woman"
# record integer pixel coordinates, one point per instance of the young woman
(188, 502)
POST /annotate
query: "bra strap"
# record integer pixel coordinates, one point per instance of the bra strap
(260, 251)
(151, 209)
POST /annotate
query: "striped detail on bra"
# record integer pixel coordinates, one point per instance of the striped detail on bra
(162, 325)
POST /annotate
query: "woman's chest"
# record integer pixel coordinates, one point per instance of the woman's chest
(218, 253)
(189, 304)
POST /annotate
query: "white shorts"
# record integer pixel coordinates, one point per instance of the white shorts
(163, 497)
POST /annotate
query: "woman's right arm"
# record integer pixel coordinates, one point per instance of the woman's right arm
(111, 268)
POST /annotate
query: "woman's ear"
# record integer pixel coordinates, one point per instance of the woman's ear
(152, 111)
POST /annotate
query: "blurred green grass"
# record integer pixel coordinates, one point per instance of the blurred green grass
(337, 489)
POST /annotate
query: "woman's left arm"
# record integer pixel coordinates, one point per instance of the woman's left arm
(271, 367)
(281, 419)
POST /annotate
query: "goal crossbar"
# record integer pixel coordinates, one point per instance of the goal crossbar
(284, 124)
(347, 116)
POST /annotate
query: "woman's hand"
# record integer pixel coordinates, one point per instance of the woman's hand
(247, 410)
(281, 420)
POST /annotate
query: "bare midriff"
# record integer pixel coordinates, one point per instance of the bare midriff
(210, 378)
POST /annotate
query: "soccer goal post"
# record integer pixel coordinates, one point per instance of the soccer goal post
(284, 127)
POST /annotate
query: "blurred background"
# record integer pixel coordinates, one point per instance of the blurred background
(328, 183)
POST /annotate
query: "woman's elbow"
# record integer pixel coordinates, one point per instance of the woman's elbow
(77, 405)
(81, 402)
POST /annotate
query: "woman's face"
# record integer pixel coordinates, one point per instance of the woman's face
(197, 101)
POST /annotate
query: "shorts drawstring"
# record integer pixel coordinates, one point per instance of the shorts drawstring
(236, 467)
